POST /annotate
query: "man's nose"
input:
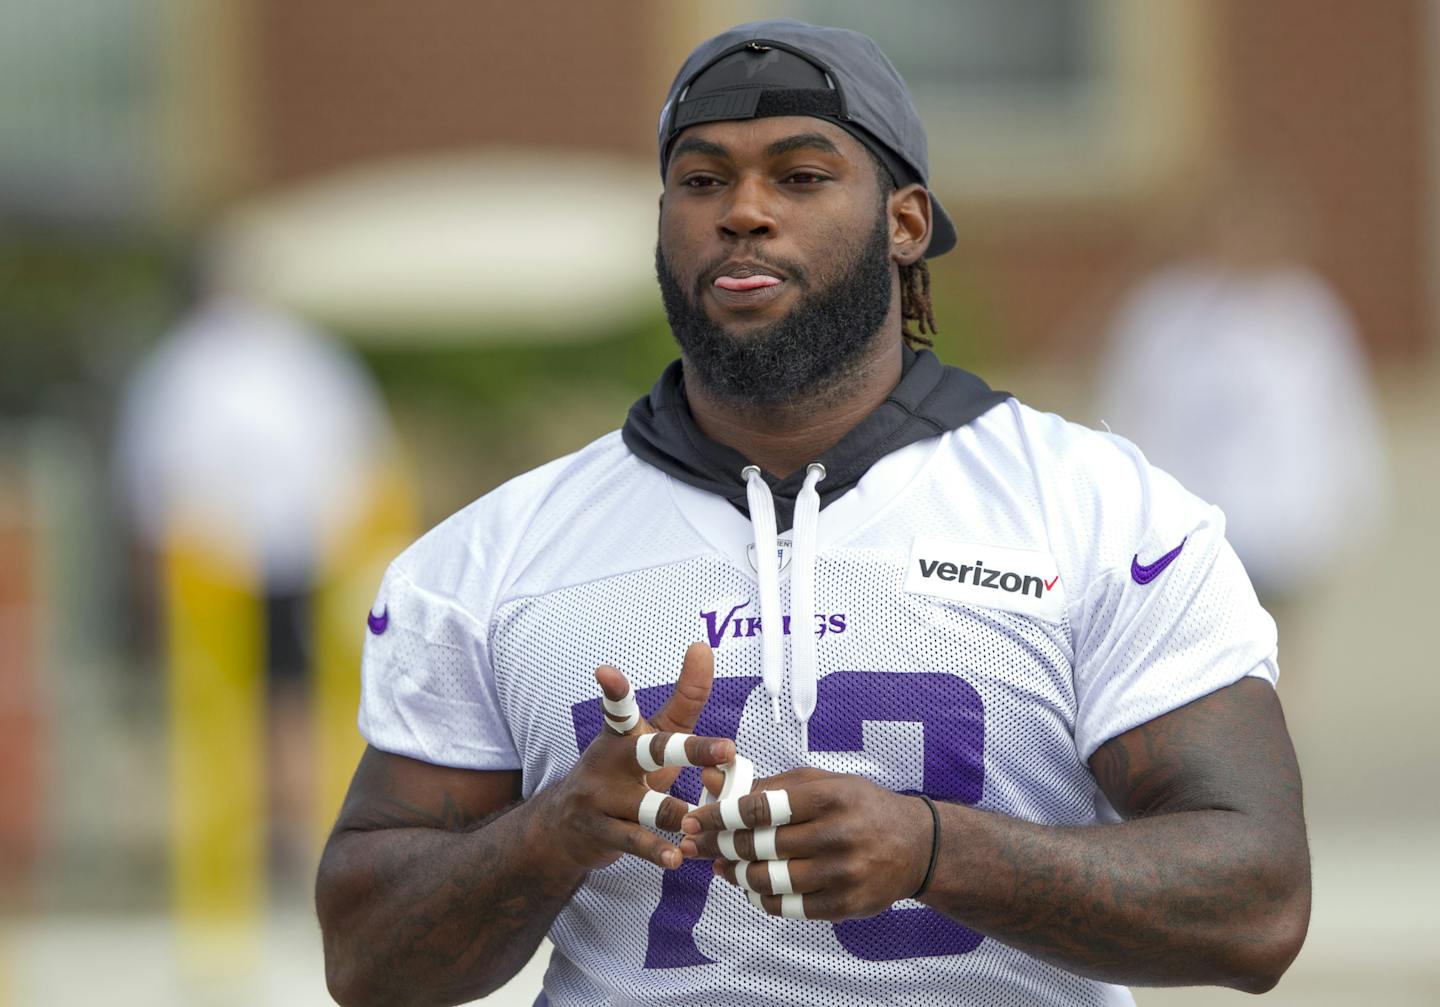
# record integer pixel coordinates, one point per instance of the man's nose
(747, 212)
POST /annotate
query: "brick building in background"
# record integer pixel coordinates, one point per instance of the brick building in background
(1055, 124)
(1052, 163)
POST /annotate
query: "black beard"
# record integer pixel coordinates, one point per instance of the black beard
(805, 354)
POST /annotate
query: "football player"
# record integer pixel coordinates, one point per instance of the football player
(1006, 690)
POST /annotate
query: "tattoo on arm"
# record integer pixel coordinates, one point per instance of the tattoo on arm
(1207, 881)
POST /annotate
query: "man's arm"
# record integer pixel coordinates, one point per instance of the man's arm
(1207, 882)
(437, 885)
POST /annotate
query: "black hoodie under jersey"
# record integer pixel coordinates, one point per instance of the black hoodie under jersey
(929, 399)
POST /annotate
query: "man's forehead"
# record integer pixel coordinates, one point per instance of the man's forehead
(765, 136)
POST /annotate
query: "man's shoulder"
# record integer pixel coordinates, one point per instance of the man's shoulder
(1100, 499)
(1055, 448)
(484, 535)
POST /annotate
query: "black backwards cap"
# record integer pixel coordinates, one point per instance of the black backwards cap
(787, 67)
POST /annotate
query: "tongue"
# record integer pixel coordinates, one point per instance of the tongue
(745, 282)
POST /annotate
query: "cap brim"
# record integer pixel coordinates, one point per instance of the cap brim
(942, 229)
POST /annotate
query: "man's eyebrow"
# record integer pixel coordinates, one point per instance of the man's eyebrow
(800, 141)
(695, 145)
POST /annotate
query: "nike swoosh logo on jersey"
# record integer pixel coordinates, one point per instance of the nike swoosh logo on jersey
(1143, 573)
(378, 623)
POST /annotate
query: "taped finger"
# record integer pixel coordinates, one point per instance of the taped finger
(650, 806)
(742, 877)
(756, 900)
(621, 714)
(779, 804)
(726, 841)
(792, 907)
(739, 778)
(642, 753)
(730, 813)
(675, 750)
(765, 843)
(780, 877)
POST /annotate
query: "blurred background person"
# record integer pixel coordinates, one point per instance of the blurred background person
(1236, 368)
(255, 437)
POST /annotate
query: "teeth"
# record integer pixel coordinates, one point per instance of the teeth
(745, 282)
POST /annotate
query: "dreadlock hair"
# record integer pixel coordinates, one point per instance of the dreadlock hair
(914, 279)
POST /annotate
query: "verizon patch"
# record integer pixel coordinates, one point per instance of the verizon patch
(1016, 580)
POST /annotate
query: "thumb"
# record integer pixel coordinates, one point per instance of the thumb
(692, 691)
(612, 681)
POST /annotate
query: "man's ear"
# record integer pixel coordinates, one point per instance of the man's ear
(909, 209)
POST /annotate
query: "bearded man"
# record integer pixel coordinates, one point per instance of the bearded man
(1005, 689)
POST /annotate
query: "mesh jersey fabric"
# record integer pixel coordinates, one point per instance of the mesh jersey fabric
(498, 617)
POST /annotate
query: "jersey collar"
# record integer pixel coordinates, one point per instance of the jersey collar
(929, 399)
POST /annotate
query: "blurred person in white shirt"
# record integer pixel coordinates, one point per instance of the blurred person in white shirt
(261, 434)
(1236, 368)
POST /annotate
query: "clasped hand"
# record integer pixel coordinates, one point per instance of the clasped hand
(852, 847)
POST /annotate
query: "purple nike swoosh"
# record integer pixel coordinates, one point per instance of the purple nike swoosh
(1145, 573)
(379, 622)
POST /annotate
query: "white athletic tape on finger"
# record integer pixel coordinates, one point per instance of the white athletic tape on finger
(742, 877)
(792, 907)
(755, 900)
(779, 801)
(730, 813)
(650, 806)
(642, 753)
(780, 877)
(727, 846)
(765, 844)
(739, 777)
(622, 726)
(622, 707)
(675, 750)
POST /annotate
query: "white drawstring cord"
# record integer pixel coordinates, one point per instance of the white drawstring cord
(767, 565)
(803, 665)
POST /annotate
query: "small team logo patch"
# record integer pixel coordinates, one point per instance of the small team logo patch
(1024, 581)
(782, 546)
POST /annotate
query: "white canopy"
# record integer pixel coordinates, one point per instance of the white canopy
(499, 246)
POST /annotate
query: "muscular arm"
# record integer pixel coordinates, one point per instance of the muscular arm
(436, 886)
(1206, 882)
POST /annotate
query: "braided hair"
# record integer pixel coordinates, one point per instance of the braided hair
(915, 303)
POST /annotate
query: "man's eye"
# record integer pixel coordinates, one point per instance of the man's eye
(700, 182)
(806, 178)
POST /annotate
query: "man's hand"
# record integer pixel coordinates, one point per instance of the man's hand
(853, 848)
(596, 808)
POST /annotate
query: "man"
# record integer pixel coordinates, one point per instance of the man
(999, 665)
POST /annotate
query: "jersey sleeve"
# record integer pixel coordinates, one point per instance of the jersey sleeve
(428, 690)
(1168, 614)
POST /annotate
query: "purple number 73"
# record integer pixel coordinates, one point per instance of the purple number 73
(953, 717)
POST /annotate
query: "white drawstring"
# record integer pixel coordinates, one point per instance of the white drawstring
(803, 671)
(767, 565)
(803, 663)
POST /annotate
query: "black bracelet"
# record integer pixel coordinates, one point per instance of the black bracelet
(934, 847)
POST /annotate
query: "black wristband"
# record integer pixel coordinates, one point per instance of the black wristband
(934, 847)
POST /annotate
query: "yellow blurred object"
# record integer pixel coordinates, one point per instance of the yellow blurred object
(353, 567)
(215, 636)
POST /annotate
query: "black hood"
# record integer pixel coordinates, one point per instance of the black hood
(930, 399)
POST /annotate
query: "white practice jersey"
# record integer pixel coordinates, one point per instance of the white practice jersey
(991, 605)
